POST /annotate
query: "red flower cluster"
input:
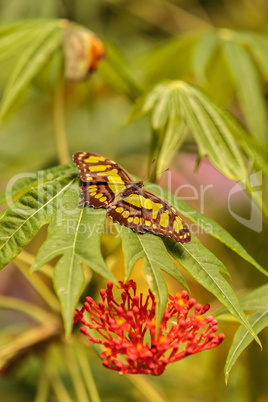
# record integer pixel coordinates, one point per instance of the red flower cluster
(129, 334)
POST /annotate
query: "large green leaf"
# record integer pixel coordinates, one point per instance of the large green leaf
(116, 73)
(156, 258)
(256, 300)
(27, 215)
(207, 269)
(235, 55)
(258, 47)
(22, 182)
(212, 135)
(176, 107)
(43, 43)
(203, 53)
(248, 86)
(15, 37)
(74, 234)
(206, 224)
(198, 113)
(171, 59)
(243, 338)
(172, 128)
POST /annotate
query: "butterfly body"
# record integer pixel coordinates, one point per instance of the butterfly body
(106, 184)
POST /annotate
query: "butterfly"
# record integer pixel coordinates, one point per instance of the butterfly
(106, 184)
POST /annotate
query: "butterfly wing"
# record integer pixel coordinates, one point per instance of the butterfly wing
(144, 211)
(103, 179)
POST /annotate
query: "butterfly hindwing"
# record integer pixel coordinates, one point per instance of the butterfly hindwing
(143, 211)
(106, 184)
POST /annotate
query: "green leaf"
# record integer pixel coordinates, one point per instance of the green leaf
(258, 47)
(16, 37)
(206, 269)
(243, 338)
(206, 224)
(115, 72)
(256, 300)
(170, 60)
(249, 90)
(27, 215)
(213, 137)
(172, 136)
(74, 234)
(8, 28)
(22, 182)
(177, 107)
(40, 49)
(156, 258)
(203, 53)
(253, 148)
(193, 110)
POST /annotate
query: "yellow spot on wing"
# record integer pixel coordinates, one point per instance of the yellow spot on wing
(133, 199)
(136, 220)
(119, 210)
(147, 223)
(130, 219)
(125, 214)
(99, 195)
(94, 193)
(178, 224)
(146, 203)
(164, 220)
(102, 199)
(155, 208)
(94, 159)
(98, 167)
(115, 186)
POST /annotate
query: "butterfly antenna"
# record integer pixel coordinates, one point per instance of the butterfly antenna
(146, 176)
(162, 171)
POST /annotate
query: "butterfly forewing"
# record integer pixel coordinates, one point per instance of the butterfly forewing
(107, 184)
(102, 178)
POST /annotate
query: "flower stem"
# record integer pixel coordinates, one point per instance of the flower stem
(89, 380)
(149, 390)
(79, 384)
(59, 130)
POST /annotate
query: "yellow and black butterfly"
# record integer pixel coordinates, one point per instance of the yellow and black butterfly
(106, 184)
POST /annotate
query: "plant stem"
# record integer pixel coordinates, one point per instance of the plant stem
(89, 380)
(59, 130)
(78, 382)
(40, 286)
(57, 384)
(149, 390)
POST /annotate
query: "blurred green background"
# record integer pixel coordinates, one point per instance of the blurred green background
(95, 121)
